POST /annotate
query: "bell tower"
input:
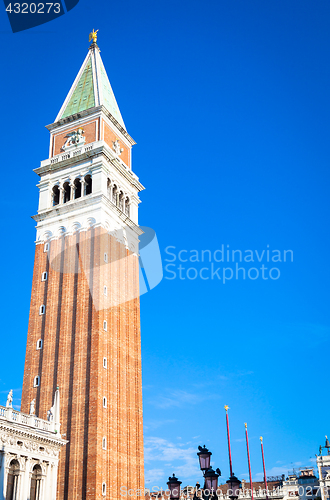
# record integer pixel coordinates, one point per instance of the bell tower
(84, 326)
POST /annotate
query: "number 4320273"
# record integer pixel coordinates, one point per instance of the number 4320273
(34, 8)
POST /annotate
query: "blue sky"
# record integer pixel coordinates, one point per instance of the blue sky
(228, 102)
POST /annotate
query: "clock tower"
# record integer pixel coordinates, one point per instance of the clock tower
(84, 326)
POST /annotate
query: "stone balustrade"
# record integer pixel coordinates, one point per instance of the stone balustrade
(11, 415)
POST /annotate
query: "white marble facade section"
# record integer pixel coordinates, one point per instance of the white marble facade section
(28, 465)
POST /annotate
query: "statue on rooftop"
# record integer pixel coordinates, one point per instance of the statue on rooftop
(9, 403)
(32, 407)
(93, 36)
(50, 414)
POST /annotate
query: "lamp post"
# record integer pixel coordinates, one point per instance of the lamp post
(233, 482)
(211, 480)
(249, 463)
(228, 438)
(204, 456)
(233, 486)
(174, 487)
(210, 476)
(264, 467)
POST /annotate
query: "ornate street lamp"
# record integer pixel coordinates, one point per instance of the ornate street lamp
(204, 456)
(174, 487)
(210, 476)
(233, 485)
(211, 479)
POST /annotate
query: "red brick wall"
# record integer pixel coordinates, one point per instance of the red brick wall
(74, 344)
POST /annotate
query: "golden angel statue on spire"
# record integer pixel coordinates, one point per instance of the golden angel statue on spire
(93, 36)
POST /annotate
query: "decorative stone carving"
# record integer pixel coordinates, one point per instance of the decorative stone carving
(74, 139)
(61, 230)
(116, 147)
(47, 235)
(76, 226)
(91, 221)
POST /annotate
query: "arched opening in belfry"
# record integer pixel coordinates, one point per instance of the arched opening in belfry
(77, 192)
(121, 201)
(12, 480)
(109, 189)
(88, 182)
(67, 192)
(114, 194)
(56, 195)
(35, 488)
(127, 207)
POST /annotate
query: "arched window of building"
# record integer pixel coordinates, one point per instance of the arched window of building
(35, 489)
(44, 276)
(12, 480)
(77, 192)
(56, 195)
(104, 402)
(88, 181)
(36, 381)
(127, 206)
(67, 192)
(39, 344)
(42, 310)
(104, 443)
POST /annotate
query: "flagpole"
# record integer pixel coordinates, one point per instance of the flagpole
(248, 455)
(228, 435)
(263, 463)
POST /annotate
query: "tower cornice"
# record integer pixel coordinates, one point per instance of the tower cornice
(90, 112)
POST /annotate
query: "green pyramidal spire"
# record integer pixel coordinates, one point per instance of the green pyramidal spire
(83, 95)
(91, 88)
